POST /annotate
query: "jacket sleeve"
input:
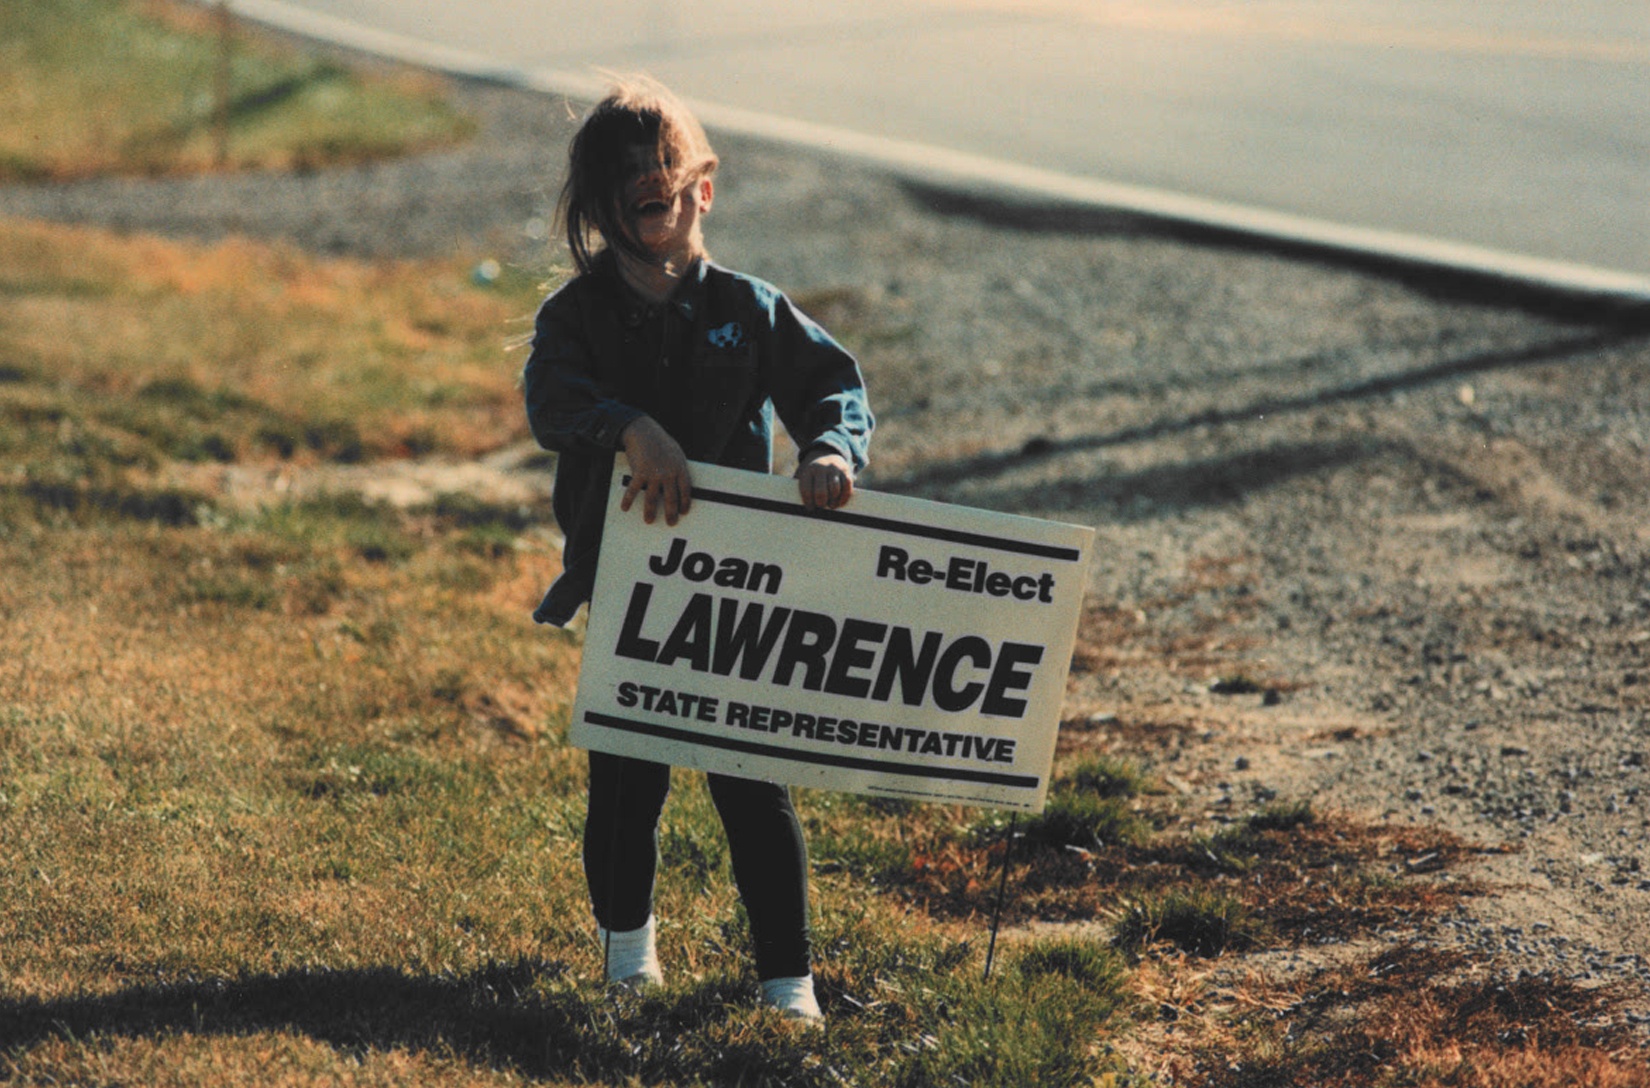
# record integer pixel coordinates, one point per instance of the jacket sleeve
(569, 406)
(815, 384)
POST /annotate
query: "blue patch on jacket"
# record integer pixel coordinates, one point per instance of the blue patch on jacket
(730, 335)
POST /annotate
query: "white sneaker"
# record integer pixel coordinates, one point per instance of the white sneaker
(640, 982)
(794, 997)
(632, 958)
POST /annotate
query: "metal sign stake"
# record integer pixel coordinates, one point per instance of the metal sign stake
(1002, 891)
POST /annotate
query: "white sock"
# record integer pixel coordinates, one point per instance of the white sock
(792, 996)
(631, 955)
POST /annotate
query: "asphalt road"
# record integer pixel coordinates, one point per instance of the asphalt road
(1524, 128)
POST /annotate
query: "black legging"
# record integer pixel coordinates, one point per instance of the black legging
(770, 859)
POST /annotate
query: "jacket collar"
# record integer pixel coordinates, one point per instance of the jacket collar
(634, 309)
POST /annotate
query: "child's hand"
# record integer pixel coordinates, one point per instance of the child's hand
(658, 471)
(825, 480)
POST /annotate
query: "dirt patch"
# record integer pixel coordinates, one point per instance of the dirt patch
(518, 475)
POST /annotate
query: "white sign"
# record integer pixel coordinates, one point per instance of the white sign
(896, 646)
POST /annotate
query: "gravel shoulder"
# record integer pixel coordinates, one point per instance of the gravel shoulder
(1402, 518)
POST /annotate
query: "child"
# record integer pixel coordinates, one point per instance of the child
(653, 350)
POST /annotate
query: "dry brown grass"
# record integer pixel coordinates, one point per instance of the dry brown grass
(146, 351)
(1331, 878)
(1405, 1015)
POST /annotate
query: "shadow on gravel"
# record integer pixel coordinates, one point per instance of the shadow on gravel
(1227, 478)
(1202, 483)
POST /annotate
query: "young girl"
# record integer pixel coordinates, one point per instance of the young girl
(653, 350)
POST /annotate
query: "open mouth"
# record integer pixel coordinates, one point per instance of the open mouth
(651, 206)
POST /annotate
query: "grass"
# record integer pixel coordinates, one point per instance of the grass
(100, 87)
(282, 785)
(125, 355)
(285, 798)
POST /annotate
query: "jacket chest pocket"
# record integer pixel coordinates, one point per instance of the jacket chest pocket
(727, 379)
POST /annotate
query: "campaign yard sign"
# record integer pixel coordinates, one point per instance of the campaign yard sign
(897, 647)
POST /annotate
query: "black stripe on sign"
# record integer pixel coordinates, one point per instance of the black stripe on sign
(857, 763)
(890, 525)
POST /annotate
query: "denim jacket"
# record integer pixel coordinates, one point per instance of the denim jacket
(601, 357)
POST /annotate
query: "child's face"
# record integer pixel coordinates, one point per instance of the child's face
(663, 219)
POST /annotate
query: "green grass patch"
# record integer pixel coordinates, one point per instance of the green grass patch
(1106, 777)
(123, 86)
(1241, 846)
(1085, 821)
(1087, 963)
(1203, 923)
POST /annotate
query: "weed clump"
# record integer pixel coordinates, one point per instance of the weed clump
(1199, 922)
(1239, 848)
(1088, 963)
(1105, 777)
(1086, 821)
(1282, 816)
(1088, 810)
